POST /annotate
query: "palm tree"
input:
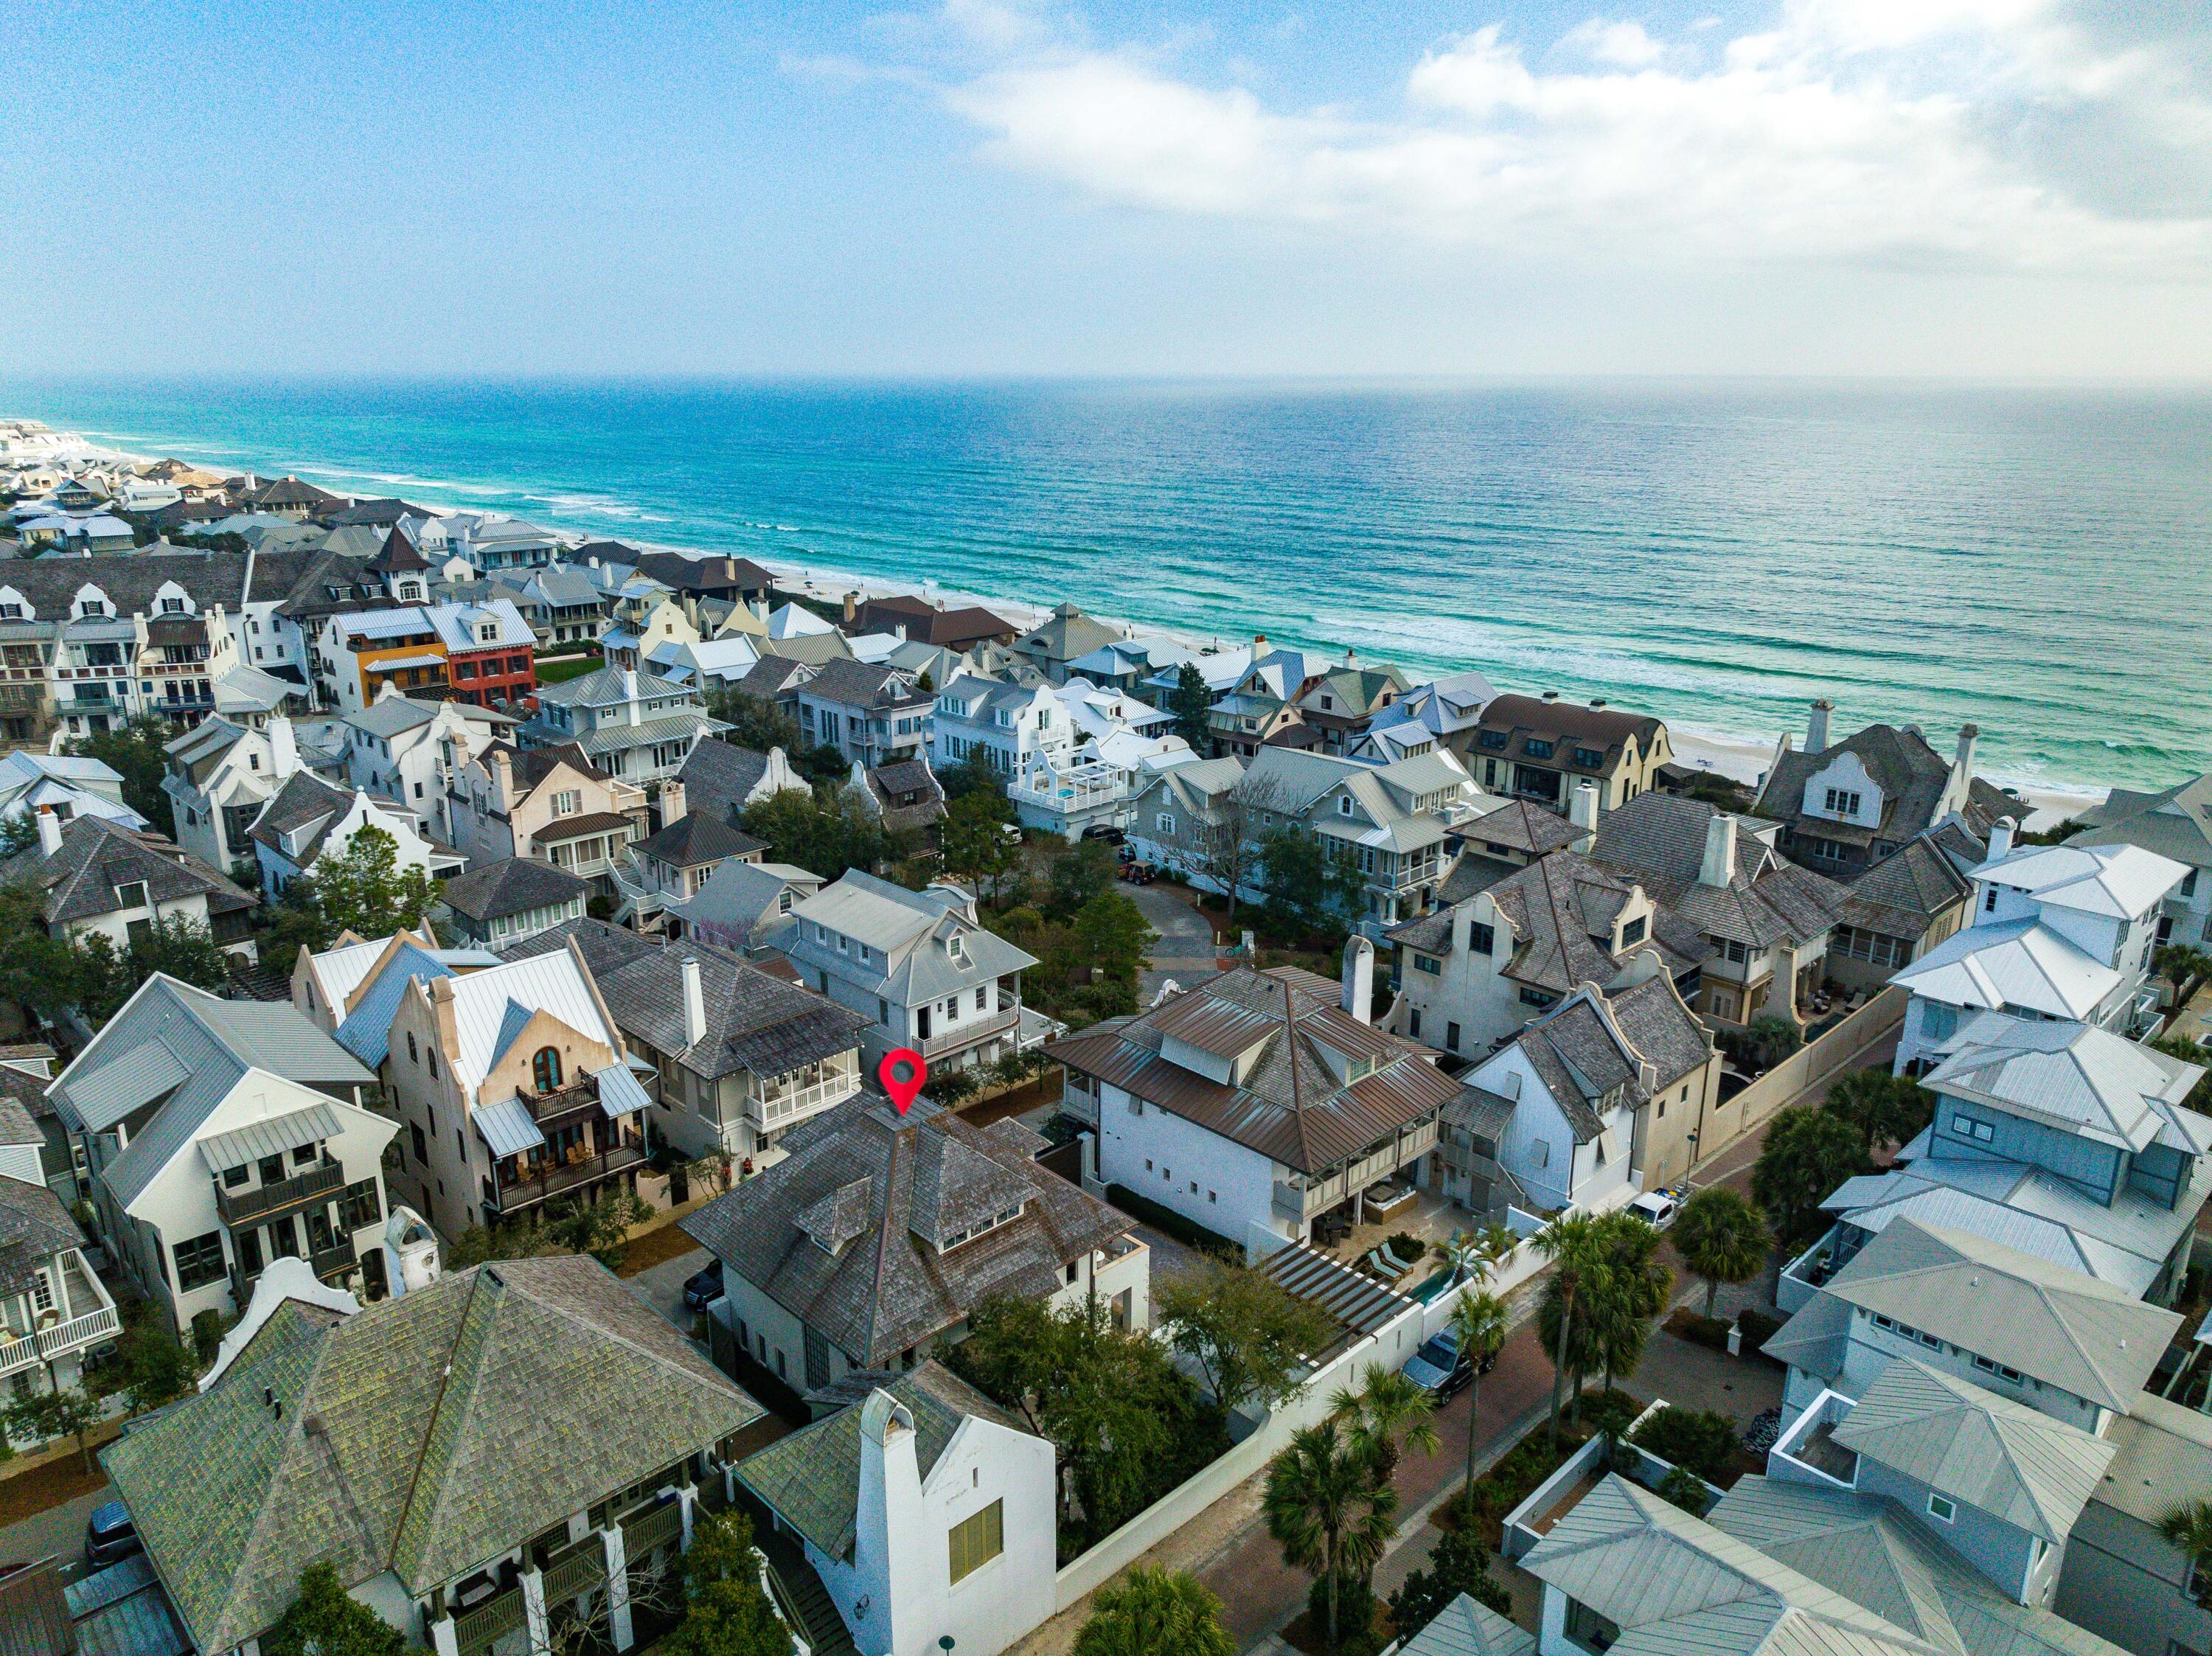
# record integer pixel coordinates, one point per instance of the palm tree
(1723, 1237)
(1575, 1244)
(1634, 1292)
(1325, 1509)
(1387, 1415)
(2189, 1529)
(1478, 1319)
(1150, 1610)
(1474, 1254)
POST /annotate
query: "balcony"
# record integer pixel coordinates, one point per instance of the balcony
(973, 1032)
(1808, 1453)
(1303, 1197)
(92, 1320)
(251, 1207)
(541, 1181)
(779, 1108)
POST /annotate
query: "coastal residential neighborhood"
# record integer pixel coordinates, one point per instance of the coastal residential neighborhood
(1403, 1166)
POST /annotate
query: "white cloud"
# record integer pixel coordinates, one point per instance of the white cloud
(1891, 131)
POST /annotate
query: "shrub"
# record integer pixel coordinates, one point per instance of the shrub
(1610, 1411)
(1758, 1328)
(1355, 1613)
(1685, 1489)
(1703, 1441)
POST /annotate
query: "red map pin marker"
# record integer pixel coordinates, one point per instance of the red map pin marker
(903, 1073)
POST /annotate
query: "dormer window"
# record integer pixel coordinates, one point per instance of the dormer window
(1344, 804)
(956, 947)
(172, 606)
(1842, 802)
(131, 895)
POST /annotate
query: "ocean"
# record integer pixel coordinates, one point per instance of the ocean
(2033, 561)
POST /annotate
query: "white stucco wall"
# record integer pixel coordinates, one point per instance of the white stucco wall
(1161, 1156)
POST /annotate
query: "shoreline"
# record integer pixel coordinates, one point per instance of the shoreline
(1736, 755)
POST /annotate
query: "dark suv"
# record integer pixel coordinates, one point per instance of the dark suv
(109, 1535)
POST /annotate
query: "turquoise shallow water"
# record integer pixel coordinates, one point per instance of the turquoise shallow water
(2035, 560)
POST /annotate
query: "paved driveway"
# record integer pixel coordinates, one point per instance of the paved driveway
(1184, 948)
(59, 1531)
(661, 1286)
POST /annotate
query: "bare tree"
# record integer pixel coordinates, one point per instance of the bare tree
(1228, 841)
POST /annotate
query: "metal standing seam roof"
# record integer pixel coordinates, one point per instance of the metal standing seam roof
(619, 1091)
(1463, 1628)
(294, 1130)
(2082, 1080)
(507, 1127)
(2018, 1466)
(2016, 962)
(492, 1006)
(103, 1096)
(122, 1612)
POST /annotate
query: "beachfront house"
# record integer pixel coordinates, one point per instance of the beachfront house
(1258, 1101)
(1345, 702)
(2057, 931)
(2175, 823)
(1443, 712)
(1539, 746)
(1066, 636)
(1846, 805)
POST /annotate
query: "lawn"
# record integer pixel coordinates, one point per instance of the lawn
(559, 672)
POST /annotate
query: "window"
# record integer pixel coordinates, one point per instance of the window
(1940, 1507)
(1990, 901)
(1632, 932)
(413, 1056)
(983, 999)
(360, 1207)
(1165, 823)
(974, 1542)
(306, 1155)
(1413, 1022)
(131, 894)
(1482, 939)
(233, 1177)
(1589, 759)
(1997, 1368)
(1967, 1126)
(1344, 804)
(567, 803)
(1493, 739)
(1540, 1152)
(199, 1261)
(421, 1151)
(1842, 802)
(434, 1063)
(1536, 997)
(1535, 748)
(1430, 964)
(1451, 1036)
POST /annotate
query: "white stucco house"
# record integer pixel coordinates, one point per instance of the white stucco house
(928, 1512)
(309, 820)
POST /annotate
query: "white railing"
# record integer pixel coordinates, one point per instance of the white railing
(774, 1109)
(78, 1331)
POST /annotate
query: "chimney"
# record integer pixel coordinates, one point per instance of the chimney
(49, 831)
(1259, 645)
(503, 777)
(672, 805)
(1968, 734)
(2001, 833)
(1581, 812)
(1596, 703)
(1359, 979)
(1718, 868)
(629, 692)
(694, 1004)
(1816, 727)
(284, 749)
(1551, 695)
(852, 608)
(729, 569)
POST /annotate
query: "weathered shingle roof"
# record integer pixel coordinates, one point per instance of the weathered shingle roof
(1660, 840)
(887, 1289)
(425, 1435)
(1290, 1104)
(719, 775)
(812, 1478)
(97, 855)
(513, 885)
(700, 837)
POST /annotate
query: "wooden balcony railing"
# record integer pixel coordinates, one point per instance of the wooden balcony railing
(248, 1207)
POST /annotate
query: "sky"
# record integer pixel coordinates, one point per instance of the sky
(1972, 188)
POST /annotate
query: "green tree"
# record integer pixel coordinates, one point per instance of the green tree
(1685, 1489)
(1472, 1255)
(1636, 1290)
(1703, 1440)
(325, 1620)
(2187, 1529)
(827, 831)
(1154, 1612)
(1458, 1565)
(1309, 890)
(157, 1368)
(18, 833)
(1477, 1322)
(136, 752)
(37, 971)
(1575, 1244)
(1249, 1339)
(1886, 1108)
(1807, 1152)
(1326, 1512)
(1762, 1043)
(757, 725)
(364, 889)
(971, 778)
(726, 1611)
(2191, 1052)
(65, 1413)
(1387, 1415)
(1723, 1237)
(1116, 937)
(1188, 704)
(973, 840)
(2181, 964)
(1086, 872)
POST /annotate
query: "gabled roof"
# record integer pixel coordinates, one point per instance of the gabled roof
(1595, 1042)
(304, 801)
(492, 1006)
(812, 1478)
(425, 1435)
(887, 1289)
(1907, 891)
(700, 837)
(2077, 1079)
(1659, 839)
(1911, 774)
(1289, 1104)
(1463, 1628)
(366, 1031)
(2175, 823)
(2056, 1326)
(755, 1021)
(2002, 1458)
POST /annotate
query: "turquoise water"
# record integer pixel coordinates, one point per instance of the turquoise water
(2034, 561)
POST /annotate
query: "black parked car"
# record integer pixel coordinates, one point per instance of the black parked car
(1439, 1368)
(704, 1287)
(110, 1534)
(1105, 831)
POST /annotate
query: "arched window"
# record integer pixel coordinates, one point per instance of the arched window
(545, 1069)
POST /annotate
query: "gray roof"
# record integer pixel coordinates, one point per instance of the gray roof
(305, 800)
(755, 1021)
(1911, 774)
(700, 837)
(1067, 635)
(78, 882)
(1907, 891)
(1660, 838)
(855, 684)
(2163, 1459)
(912, 932)
(34, 1226)
(2054, 1325)
(171, 1039)
(16, 1125)
(1463, 1628)
(2002, 1458)
(719, 775)
(887, 1288)
(2175, 823)
(812, 1478)
(513, 885)
(1676, 1585)
(1520, 825)
(1290, 1104)
(610, 687)
(1596, 1042)
(425, 1435)
(2075, 1079)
